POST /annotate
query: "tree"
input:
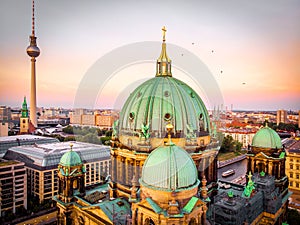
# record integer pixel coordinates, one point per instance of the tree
(230, 145)
(90, 138)
(68, 130)
(227, 144)
(70, 138)
(57, 136)
(108, 133)
(238, 146)
(105, 140)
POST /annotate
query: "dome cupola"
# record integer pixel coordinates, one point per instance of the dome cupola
(266, 140)
(169, 168)
(159, 101)
(70, 158)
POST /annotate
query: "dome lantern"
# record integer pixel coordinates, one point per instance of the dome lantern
(163, 64)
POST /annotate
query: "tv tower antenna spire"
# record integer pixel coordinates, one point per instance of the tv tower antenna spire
(33, 51)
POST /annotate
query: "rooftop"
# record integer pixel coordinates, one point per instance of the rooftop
(18, 140)
(7, 163)
(49, 155)
(25, 137)
(292, 146)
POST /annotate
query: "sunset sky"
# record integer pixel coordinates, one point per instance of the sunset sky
(251, 48)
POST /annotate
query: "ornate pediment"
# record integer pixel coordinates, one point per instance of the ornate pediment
(261, 155)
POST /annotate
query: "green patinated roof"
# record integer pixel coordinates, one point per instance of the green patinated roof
(169, 168)
(266, 138)
(190, 205)
(70, 158)
(116, 210)
(282, 154)
(154, 206)
(161, 100)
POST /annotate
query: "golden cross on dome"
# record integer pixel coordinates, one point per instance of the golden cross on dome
(164, 30)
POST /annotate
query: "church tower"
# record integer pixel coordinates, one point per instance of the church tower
(33, 51)
(24, 120)
(71, 174)
(267, 156)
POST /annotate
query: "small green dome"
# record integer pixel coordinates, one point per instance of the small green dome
(266, 137)
(169, 168)
(70, 158)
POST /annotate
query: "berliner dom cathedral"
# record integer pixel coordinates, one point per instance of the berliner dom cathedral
(164, 166)
(141, 128)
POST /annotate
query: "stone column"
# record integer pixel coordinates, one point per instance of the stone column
(126, 172)
(270, 170)
(113, 168)
(119, 169)
(137, 169)
(203, 220)
(265, 167)
(279, 170)
(211, 168)
(123, 170)
(133, 219)
(140, 219)
(130, 169)
(216, 168)
(203, 166)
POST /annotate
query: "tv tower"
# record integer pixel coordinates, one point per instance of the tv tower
(33, 51)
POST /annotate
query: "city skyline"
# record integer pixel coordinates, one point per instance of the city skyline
(252, 49)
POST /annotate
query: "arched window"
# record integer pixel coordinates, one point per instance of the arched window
(149, 221)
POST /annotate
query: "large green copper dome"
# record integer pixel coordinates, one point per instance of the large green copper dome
(169, 168)
(160, 101)
(266, 138)
(70, 158)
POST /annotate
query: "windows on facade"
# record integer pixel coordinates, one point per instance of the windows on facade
(291, 166)
(291, 175)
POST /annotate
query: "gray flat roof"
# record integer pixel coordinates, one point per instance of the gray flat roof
(47, 156)
(24, 137)
(19, 140)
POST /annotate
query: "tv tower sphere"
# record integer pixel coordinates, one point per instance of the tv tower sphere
(33, 50)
